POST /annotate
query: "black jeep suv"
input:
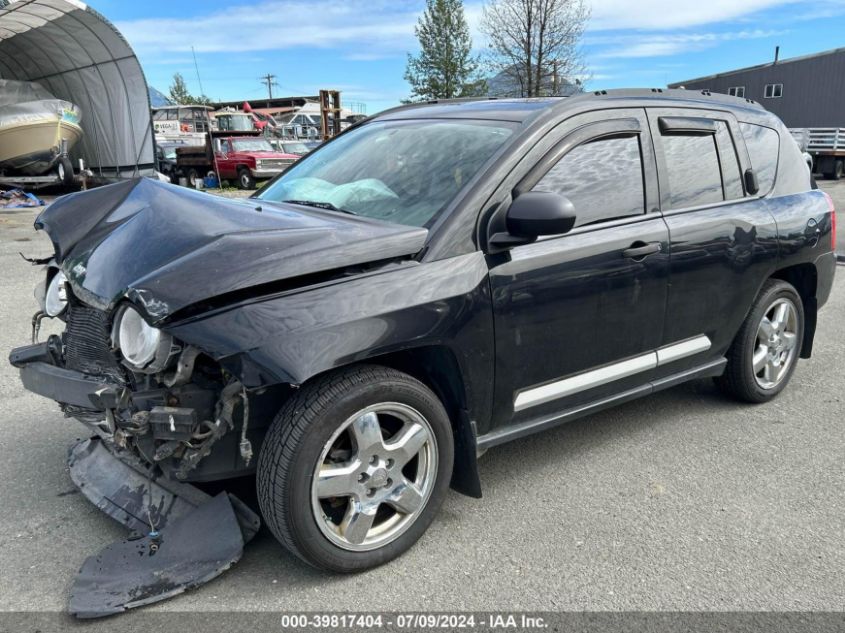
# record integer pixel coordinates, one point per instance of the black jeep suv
(436, 280)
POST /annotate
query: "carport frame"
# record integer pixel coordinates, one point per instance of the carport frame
(141, 150)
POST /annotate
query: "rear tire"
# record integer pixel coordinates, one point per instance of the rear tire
(336, 485)
(764, 353)
(245, 179)
(838, 170)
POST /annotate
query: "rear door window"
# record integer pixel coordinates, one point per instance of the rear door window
(602, 178)
(763, 145)
(692, 169)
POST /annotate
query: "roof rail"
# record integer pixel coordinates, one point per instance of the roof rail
(679, 93)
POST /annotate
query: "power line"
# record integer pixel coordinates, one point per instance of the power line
(197, 68)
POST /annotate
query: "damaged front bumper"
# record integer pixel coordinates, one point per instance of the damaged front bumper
(41, 375)
(182, 537)
(134, 470)
(135, 495)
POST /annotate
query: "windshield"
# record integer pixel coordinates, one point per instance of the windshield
(252, 145)
(397, 171)
(294, 148)
(235, 122)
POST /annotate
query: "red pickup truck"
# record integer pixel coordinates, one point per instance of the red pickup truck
(243, 158)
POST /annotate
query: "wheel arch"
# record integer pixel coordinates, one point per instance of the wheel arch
(804, 278)
(437, 367)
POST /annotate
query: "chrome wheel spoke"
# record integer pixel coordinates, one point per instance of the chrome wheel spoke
(771, 371)
(410, 441)
(337, 481)
(767, 329)
(780, 316)
(358, 521)
(789, 339)
(760, 358)
(405, 498)
(367, 433)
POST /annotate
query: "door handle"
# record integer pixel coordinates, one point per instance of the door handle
(641, 250)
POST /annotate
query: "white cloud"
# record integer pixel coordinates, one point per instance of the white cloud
(365, 26)
(672, 14)
(660, 45)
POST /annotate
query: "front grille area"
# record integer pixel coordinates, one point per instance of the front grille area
(87, 344)
(275, 163)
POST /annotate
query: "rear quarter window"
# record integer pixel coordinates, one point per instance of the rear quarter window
(763, 147)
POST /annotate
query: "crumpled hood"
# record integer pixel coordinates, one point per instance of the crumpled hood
(166, 247)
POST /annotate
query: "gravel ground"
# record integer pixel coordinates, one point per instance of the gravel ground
(680, 501)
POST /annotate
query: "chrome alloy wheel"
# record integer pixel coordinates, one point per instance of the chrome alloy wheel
(777, 337)
(374, 476)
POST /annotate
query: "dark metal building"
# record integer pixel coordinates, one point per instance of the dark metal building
(804, 92)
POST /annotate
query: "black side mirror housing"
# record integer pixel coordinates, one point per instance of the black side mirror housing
(751, 184)
(537, 213)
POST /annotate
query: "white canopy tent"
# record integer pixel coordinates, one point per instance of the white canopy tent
(79, 56)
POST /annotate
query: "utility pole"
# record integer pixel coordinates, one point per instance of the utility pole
(270, 81)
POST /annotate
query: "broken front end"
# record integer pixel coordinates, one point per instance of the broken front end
(161, 414)
(147, 396)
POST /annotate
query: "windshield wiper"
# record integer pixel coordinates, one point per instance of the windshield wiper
(328, 206)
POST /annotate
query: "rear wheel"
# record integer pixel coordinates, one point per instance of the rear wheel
(838, 170)
(766, 349)
(354, 468)
(245, 179)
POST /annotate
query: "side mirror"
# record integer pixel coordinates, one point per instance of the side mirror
(751, 184)
(536, 213)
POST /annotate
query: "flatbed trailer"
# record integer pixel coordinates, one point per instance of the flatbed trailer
(826, 146)
(52, 179)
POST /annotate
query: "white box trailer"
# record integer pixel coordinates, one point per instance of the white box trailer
(827, 147)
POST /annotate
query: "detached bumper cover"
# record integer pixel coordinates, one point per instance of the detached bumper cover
(193, 538)
(187, 553)
(62, 385)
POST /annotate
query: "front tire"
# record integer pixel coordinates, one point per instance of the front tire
(355, 467)
(245, 179)
(764, 353)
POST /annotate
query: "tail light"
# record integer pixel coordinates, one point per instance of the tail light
(832, 221)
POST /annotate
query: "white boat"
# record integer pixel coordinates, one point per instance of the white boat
(33, 124)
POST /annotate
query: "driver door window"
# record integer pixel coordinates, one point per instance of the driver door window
(603, 179)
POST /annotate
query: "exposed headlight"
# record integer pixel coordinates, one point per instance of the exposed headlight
(138, 341)
(55, 301)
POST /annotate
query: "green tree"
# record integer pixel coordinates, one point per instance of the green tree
(534, 44)
(180, 95)
(445, 67)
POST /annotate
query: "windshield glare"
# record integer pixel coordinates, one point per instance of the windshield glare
(295, 148)
(252, 145)
(397, 171)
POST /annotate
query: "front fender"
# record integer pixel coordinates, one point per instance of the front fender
(293, 336)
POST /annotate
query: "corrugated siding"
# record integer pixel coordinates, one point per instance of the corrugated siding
(813, 89)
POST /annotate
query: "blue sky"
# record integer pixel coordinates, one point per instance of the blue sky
(360, 46)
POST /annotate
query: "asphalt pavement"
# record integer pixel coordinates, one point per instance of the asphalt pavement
(681, 501)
